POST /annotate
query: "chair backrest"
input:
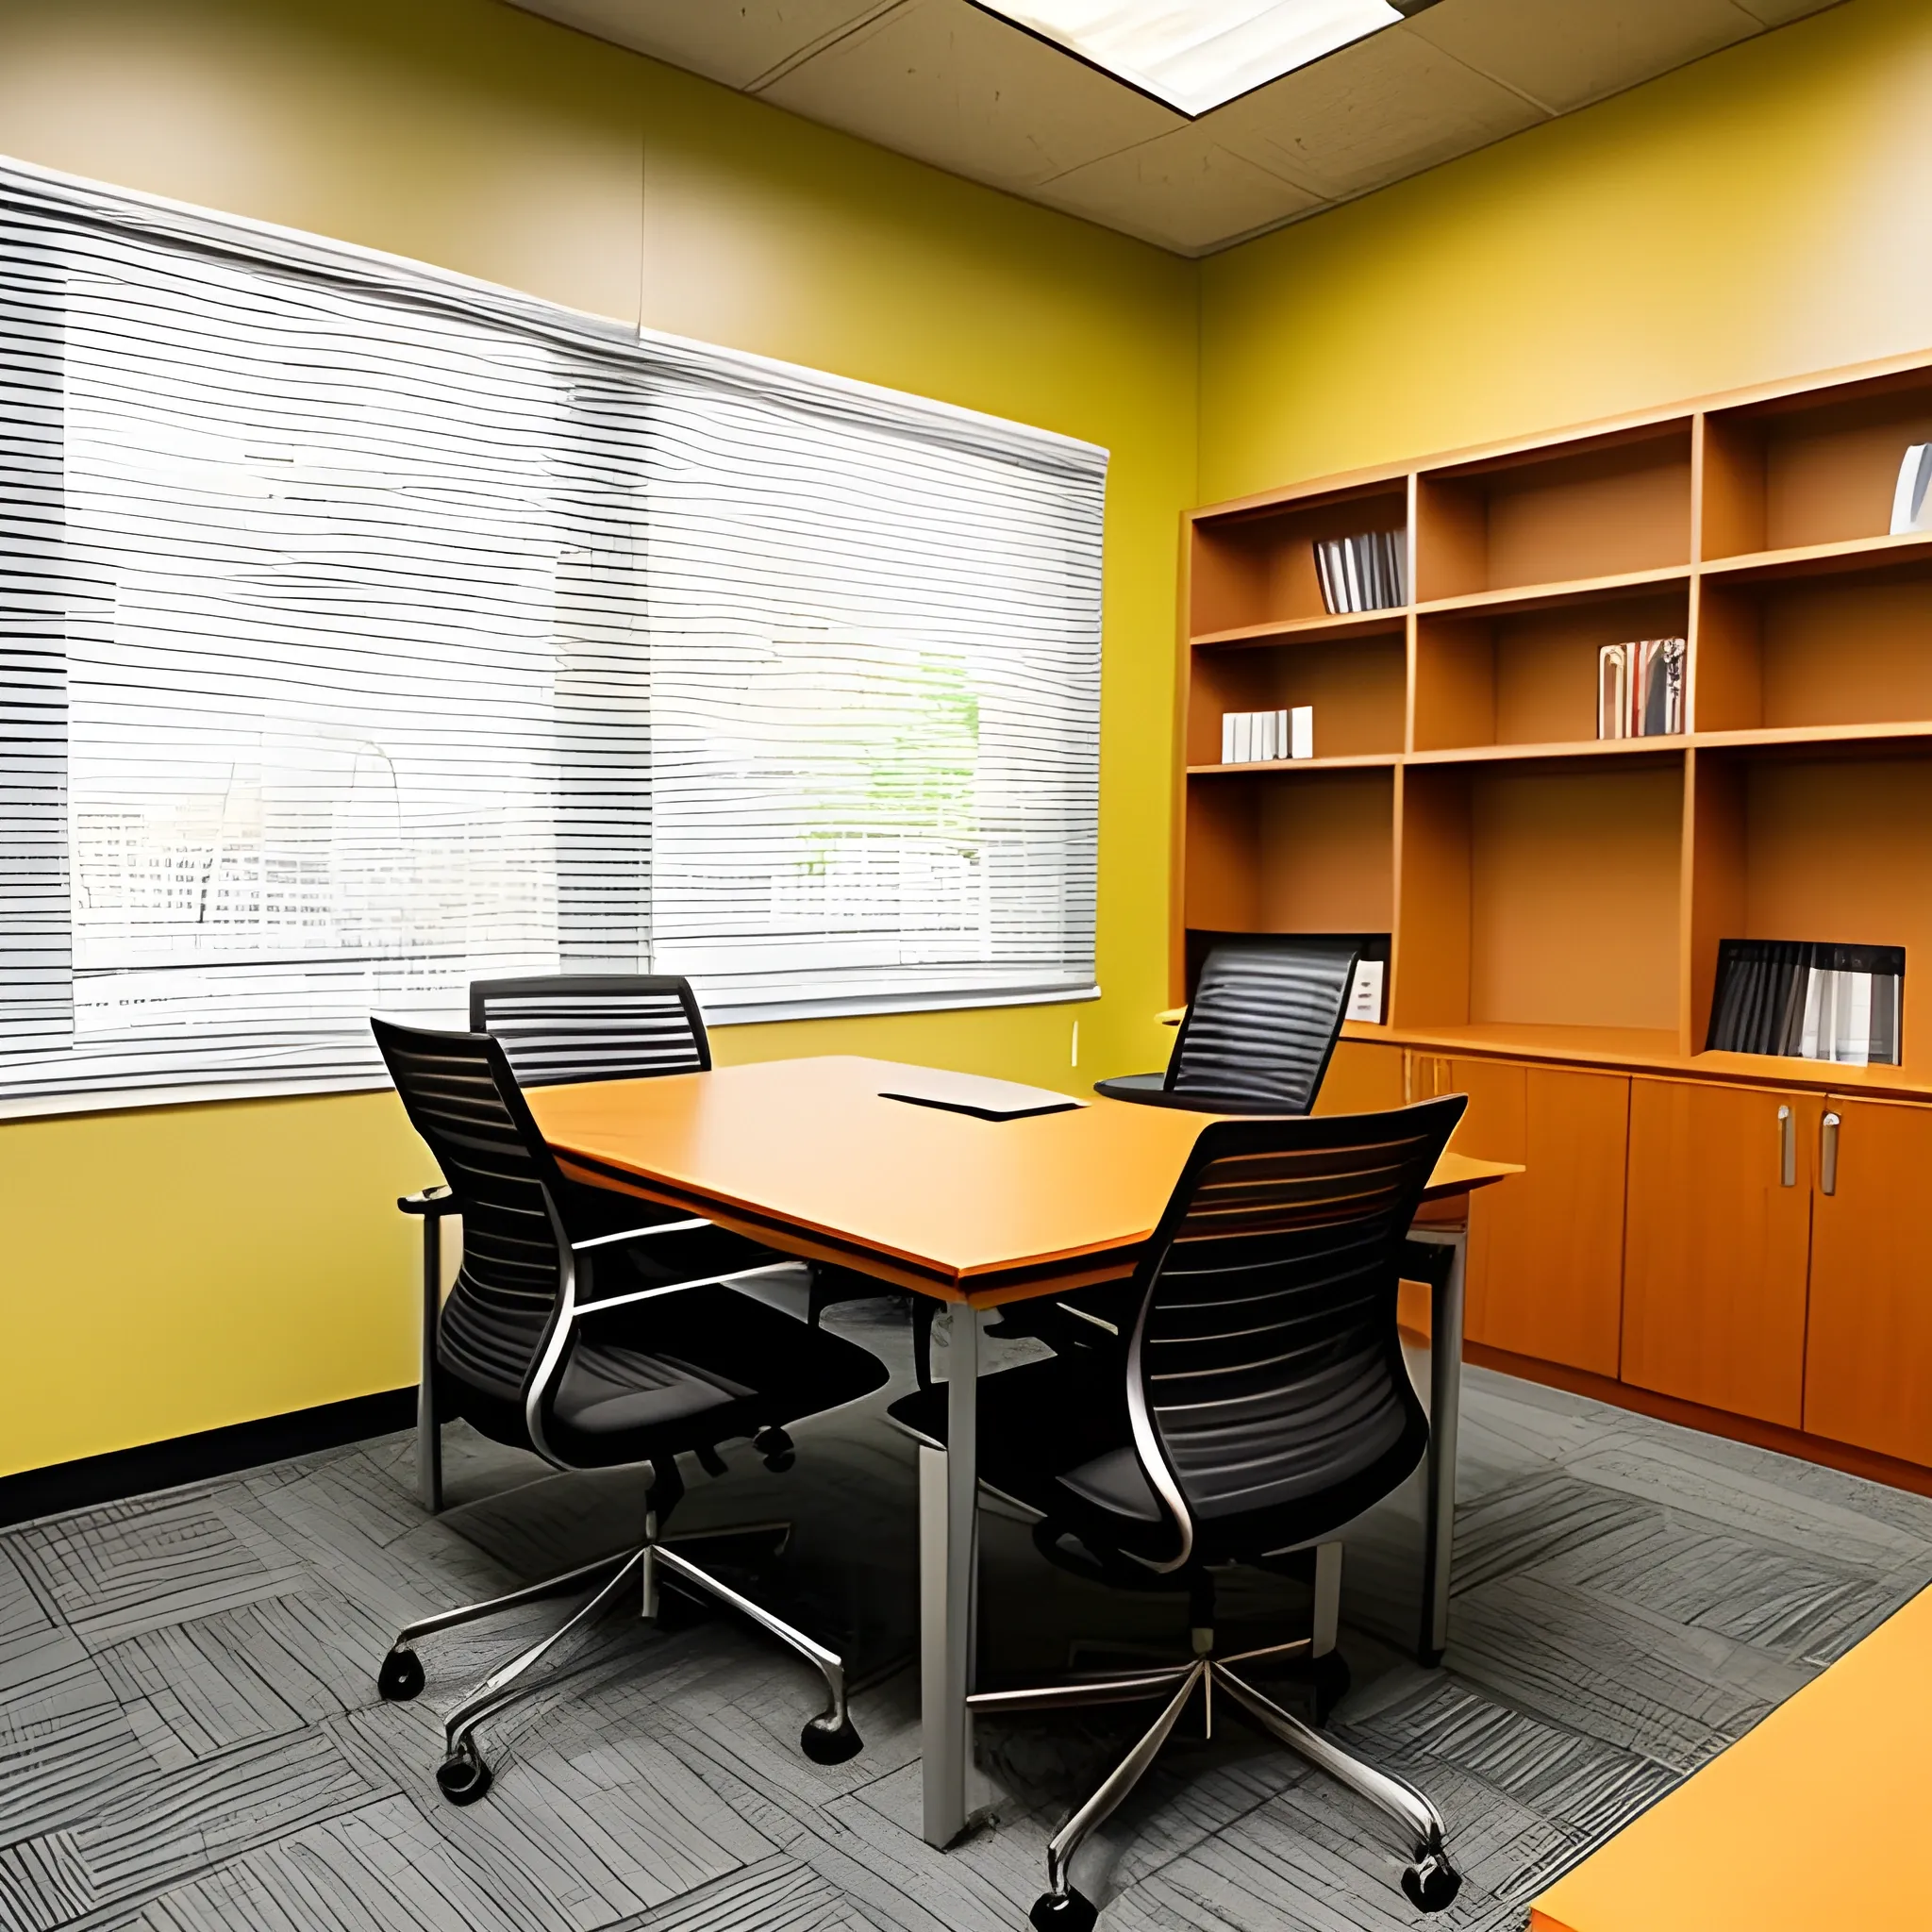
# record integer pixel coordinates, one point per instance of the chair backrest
(461, 1097)
(1265, 1372)
(592, 1026)
(1261, 1026)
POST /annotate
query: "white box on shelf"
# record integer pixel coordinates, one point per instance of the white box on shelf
(1365, 992)
(1301, 731)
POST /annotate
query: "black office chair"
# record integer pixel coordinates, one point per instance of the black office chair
(569, 1027)
(555, 1029)
(626, 1346)
(628, 1026)
(1259, 1031)
(1260, 1402)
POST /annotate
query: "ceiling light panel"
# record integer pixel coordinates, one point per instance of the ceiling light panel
(1196, 54)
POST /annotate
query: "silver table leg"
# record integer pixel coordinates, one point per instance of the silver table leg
(1445, 1409)
(948, 1508)
(428, 1433)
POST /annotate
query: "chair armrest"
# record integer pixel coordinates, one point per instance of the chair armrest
(639, 1234)
(435, 1202)
(580, 1309)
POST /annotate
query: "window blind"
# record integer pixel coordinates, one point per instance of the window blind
(364, 630)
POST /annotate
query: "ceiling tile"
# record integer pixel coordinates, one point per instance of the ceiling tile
(732, 40)
(1184, 191)
(1565, 54)
(943, 81)
(1390, 106)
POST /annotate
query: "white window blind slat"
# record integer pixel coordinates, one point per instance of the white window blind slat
(363, 631)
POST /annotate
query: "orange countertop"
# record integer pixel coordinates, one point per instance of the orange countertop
(1813, 1822)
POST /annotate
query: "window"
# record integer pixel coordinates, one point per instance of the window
(363, 631)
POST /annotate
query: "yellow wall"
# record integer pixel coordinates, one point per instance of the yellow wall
(176, 1269)
(1761, 214)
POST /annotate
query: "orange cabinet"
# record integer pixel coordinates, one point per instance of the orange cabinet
(1545, 1251)
(1868, 1358)
(1363, 1077)
(1717, 1241)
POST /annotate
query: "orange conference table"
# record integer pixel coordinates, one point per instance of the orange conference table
(810, 1157)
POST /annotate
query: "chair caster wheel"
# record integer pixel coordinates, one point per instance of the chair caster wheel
(463, 1777)
(1431, 1883)
(1068, 1912)
(401, 1676)
(776, 1447)
(825, 1742)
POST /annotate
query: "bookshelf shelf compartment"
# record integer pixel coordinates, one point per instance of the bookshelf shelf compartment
(1542, 895)
(1815, 652)
(1599, 506)
(1796, 843)
(1357, 687)
(1314, 855)
(1256, 568)
(1519, 677)
(1815, 468)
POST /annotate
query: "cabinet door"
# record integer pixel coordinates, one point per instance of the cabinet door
(1363, 1077)
(1546, 1247)
(1716, 1245)
(1867, 1364)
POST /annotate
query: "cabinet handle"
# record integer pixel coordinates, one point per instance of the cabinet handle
(1786, 1148)
(1827, 1155)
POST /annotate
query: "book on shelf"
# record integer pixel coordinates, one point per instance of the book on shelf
(1613, 692)
(1909, 510)
(1364, 573)
(1806, 1000)
(1260, 738)
(1640, 689)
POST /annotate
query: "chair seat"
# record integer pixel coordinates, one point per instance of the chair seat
(1151, 1090)
(1115, 1482)
(686, 1371)
(1140, 1087)
(607, 1390)
(1055, 1436)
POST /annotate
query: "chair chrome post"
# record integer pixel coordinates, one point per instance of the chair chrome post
(829, 1737)
(1327, 1599)
(1396, 1796)
(1119, 1782)
(530, 1593)
(463, 1775)
(1132, 1688)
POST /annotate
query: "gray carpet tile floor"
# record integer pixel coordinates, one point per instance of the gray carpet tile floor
(191, 1739)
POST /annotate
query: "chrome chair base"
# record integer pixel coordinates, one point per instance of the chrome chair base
(464, 1774)
(1430, 1881)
